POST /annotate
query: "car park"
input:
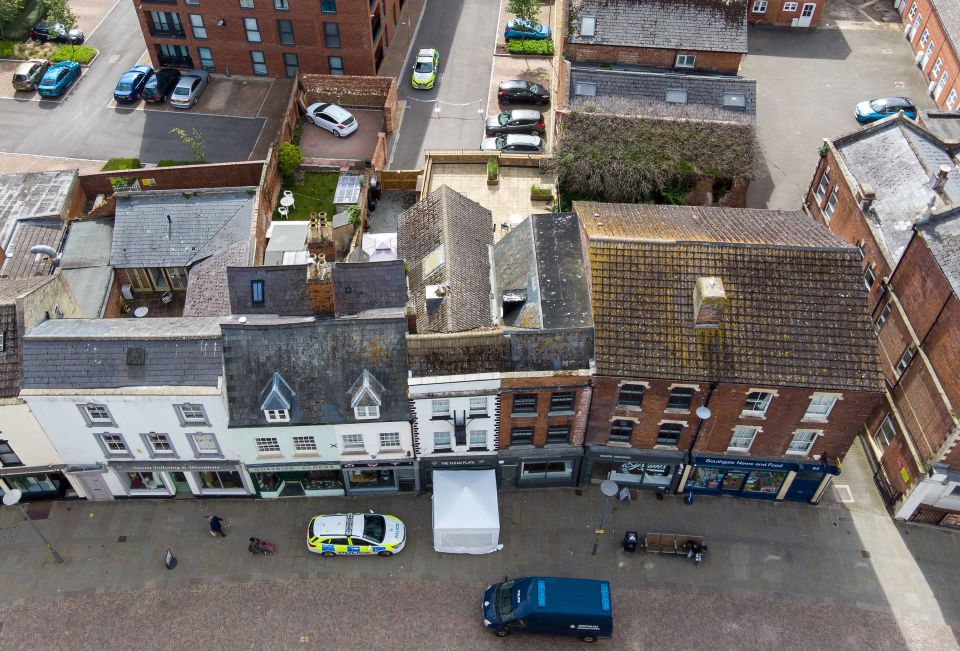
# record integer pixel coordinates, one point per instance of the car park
(872, 110)
(426, 69)
(333, 118)
(355, 534)
(159, 87)
(516, 121)
(514, 144)
(29, 73)
(519, 91)
(131, 83)
(189, 88)
(58, 78)
(56, 32)
(521, 29)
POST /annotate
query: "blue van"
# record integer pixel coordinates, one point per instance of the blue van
(536, 604)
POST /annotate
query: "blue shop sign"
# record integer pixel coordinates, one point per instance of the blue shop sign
(749, 464)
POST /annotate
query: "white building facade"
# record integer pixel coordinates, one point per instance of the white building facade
(28, 462)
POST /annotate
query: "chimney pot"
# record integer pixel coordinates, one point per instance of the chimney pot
(940, 180)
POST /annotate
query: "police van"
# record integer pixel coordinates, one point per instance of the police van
(355, 534)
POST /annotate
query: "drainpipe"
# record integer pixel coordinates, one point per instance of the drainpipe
(696, 437)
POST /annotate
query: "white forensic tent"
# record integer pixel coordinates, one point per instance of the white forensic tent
(466, 517)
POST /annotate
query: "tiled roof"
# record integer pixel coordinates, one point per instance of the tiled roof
(25, 235)
(942, 235)
(795, 312)
(113, 353)
(945, 125)
(897, 158)
(362, 286)
(207, 291)
(705, 25)
(949, 12)
(320, 360)
(465, 229)
(33, 195)
(12, 288)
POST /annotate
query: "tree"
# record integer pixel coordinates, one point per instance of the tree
(289, 157)
(58, 11)
(526, 10)
(192, 141)
(9, 9)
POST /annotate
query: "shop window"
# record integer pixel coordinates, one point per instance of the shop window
(680, 398)
(478, 406)
(352, 442)
(756, 404)
(761, 481)
(885, 433)
(7, 455)
(277, 415)
(371, 479)
(191, 414)
(905, 359)
(204, 444)
(389, 440)
(145, 481)
(113, 446)
(323, 480)
(267, 445)
(96, 415)
(285, 30)
(440, 408)
(546, 469)
(35, 484)
(221, 479)
(441, 442)
(158, 445)
(802, 442)
(478, 439)
(521, 437)
(821, 404)
(304, 444)
(366, 412)
(562, 402)
(631, 396)
(669, 434)
(558, 435)
(884, 314)
(269, 482)
(646, 474)
(621, 431)
(742, 439)
(822, 187)
(524, 404)
(331, 35)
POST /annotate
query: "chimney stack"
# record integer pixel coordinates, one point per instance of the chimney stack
(867, 197)
(940, 180)
(709, 300)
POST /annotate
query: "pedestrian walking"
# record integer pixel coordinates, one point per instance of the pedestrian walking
(216, 526)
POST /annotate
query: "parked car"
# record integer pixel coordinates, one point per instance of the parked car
(521, 29)
(518, 91)
(876, 109)
(131, 84)
(58, 78)
(189, 88)
(356, 534)
(515, 121)
(56, 32)
(333, 118)
(29, 73)
(159, 87)
(426, 68)
(514, 144)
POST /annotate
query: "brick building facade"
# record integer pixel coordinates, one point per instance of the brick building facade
(786, 14)
(932, 28)
(272, 38)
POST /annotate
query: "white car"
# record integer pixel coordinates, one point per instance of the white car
(356, 534)
(333, 118)
(189, 88)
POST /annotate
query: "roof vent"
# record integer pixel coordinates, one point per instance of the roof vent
(708, 302)
(939, 180)
(512, 299)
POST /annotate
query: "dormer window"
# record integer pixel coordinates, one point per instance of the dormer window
(366, 412)
(365, 397)
(277, 415)
(277, 399)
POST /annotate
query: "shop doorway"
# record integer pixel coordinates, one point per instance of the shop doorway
(180, 485)
(95, 487)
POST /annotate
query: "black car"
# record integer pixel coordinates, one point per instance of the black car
(518, 91)
(56, 32)
(160, 86)
(515, 121)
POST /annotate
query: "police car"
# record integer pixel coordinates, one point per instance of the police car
(425, 69)
(355, 534)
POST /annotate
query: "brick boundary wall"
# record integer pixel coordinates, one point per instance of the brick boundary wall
(214, 175)
(354, 92)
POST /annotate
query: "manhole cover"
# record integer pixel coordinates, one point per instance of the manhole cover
(121, 539)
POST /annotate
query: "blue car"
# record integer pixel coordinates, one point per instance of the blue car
(877, 109)
(58, 78)
(521, 29)
(131, 84)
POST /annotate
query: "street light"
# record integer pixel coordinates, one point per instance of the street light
(608, 488)
(12, 498)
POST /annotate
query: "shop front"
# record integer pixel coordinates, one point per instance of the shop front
(297, 479)
(361, 477)
(426, 466)
(181, 478)
(36, 482)
(634, 468)
(546, 467)
(769, 479)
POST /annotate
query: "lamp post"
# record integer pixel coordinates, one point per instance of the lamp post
(12, 498)
(608, 488)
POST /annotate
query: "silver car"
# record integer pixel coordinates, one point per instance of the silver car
(514, 144)
(189, 88)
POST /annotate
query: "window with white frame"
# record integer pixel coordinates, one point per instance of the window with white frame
(759, 6)
(802, 441)
(913, 11)
(267, 445)
(734, 100)
(924, 37)
(277, 415)
(742, 438)
(204, 444)
(821, 190)
(756, 404)
(905, 359)
(246, 4)
(869, 277)
(478, 439)
(440, 408)
(884, 313)
(631, 396)
(192, 414)
(352, 442)
(304, 444)
(885, 433)
(96, 414)
(676, 96)
(790, 6)
(831, 205)
(937, 67)
(252, 28)
(588, 25)
(389, 439)
(441, 441)
(113, 445)
(686, 61)
(159, 445)
(196, 23)
(952, 98)
(585, 89)
(366, 412)
(821, 404)
(478, 406)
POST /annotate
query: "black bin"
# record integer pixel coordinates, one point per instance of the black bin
(374, 191)
(630, 540)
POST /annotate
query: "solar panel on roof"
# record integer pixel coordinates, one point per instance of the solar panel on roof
(348, 189)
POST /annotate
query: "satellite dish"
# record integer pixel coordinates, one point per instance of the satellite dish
(703, 412)
(12, 496)
(609, 487)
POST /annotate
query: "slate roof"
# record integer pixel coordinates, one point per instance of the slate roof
(207, 291)
(949, 12)
(795, 314)
(114, 353)
(33, 195)
(320, 360)
(465, 229)
(897, 158)
(705, 25)
(942, 235)
(85, 263)
(945, 125)
(26, 234)
(284, 290)
(362, 286)
(13, 288)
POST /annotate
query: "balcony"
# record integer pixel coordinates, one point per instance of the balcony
(167, 33)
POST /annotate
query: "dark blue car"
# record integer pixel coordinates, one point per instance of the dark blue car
(131, 84)
(877, 109)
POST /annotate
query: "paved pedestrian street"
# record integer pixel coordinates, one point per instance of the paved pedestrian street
(839, 575)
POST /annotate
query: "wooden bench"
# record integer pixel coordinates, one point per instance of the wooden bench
(668, 543)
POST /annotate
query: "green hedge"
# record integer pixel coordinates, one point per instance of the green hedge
(530, 47)
(115, 164)
(6, 49)
(79, 53)
(177, 163)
